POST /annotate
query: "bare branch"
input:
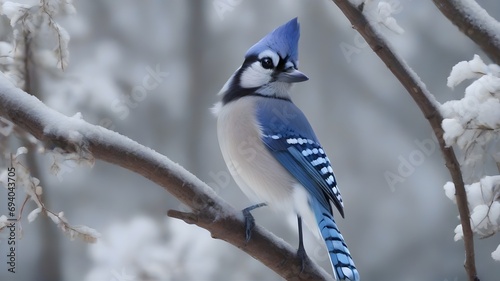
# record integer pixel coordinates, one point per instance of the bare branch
(475, 22)
(429, 107)
(208, 210)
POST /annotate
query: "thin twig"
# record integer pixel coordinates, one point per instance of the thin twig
(429, 107)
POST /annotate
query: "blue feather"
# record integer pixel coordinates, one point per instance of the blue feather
(343, 265)
(284, 40)
(300, 153)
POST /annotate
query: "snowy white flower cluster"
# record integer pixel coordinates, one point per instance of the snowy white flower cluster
(28, 21)
(472, 123)
(385, 12)
(484, 205)
(382, 12)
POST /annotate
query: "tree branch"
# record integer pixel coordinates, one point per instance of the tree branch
(208, 210)
(429, 107)
(473, 21)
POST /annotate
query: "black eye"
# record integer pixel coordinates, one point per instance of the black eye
(267, 63)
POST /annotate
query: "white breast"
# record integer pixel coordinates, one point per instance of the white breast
(261, 177)
(254, 169)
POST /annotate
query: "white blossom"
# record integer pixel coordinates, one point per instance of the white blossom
(496, 254)
(473, 122)
(484, 205)
(3, 221)
(385, 12)
(34, 214)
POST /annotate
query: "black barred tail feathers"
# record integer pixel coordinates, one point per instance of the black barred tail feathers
(340, 257)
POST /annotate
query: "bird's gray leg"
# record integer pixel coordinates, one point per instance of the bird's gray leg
(301, 251)
(249, 220)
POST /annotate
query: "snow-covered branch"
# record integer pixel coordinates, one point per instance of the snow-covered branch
(74, 135)
(475, 22)
(429, 107)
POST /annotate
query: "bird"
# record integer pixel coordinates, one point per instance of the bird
(271, 149)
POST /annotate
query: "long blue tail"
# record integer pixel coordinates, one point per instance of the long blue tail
(341, 259)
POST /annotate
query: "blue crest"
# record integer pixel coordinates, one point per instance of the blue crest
(284, 40)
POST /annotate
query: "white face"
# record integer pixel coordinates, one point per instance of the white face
(259, 73)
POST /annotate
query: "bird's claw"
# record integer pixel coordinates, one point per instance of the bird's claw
(301, 253)
(249, 224)
(249, 220)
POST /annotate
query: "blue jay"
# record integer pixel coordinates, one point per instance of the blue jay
(271, 149)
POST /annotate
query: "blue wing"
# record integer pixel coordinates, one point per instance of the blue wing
(307, 161)
(290, 139)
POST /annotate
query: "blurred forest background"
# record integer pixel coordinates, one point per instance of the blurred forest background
(367, 122)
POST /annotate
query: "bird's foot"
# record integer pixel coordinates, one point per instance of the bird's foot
(249, 225)
(301, 253)
(249, 220)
